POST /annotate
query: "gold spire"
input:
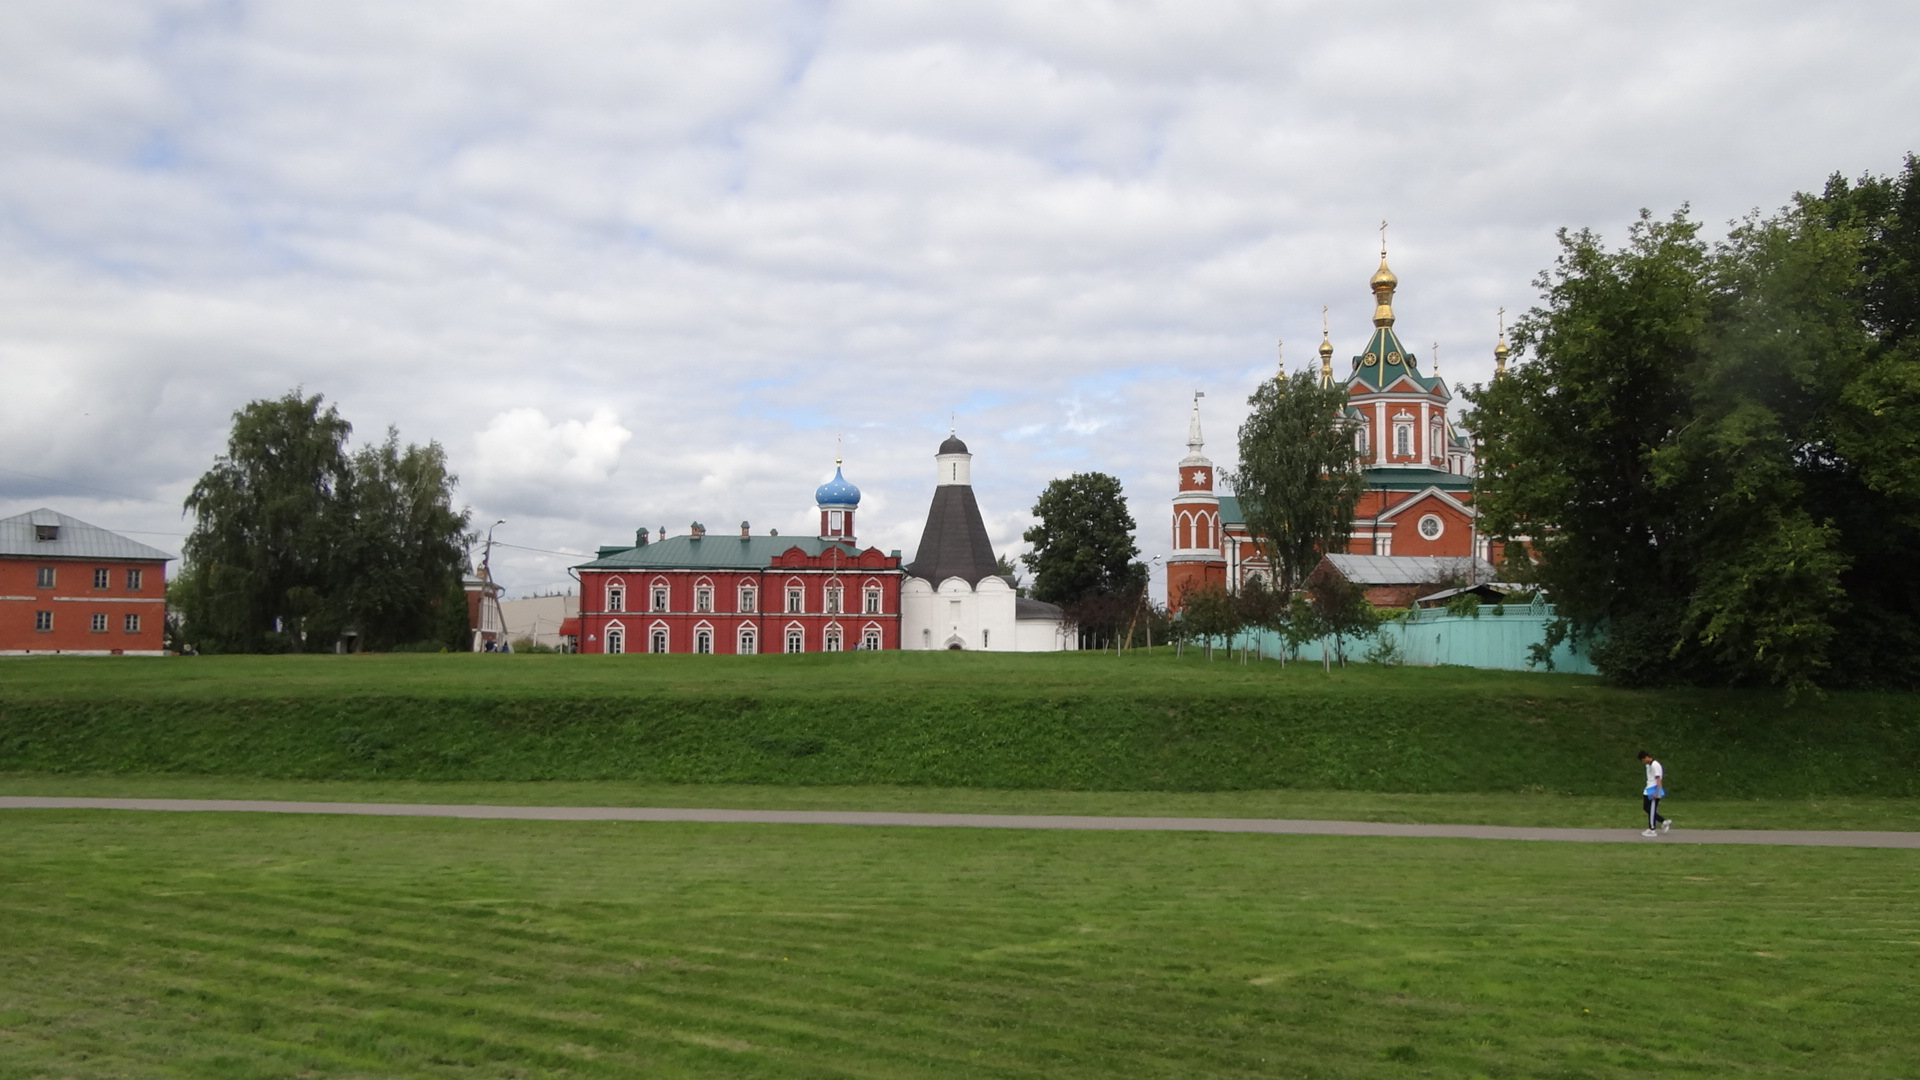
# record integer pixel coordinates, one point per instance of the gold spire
(1326, 350)
(1383, 283)
(1436, 359)
(1280, 354)
(1500, 349)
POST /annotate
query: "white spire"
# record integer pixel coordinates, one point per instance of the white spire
(1194, 442)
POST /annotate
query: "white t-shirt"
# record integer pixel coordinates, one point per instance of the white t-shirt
(1655, 775)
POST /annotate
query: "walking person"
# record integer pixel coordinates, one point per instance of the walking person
(1655, 790)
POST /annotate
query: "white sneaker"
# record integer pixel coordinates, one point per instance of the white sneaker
(1649, 832)
(1667, 825)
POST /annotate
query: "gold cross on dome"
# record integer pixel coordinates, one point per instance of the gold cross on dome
(1383, 238)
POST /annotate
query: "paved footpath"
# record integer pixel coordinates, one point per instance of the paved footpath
(1830, 838)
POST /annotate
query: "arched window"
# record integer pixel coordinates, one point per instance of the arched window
(660, 596)
(833, 639)
(703, 642)
(1363, 437)
(873, 600)
(985, 636)
(749, 641)
(1403, 440)
(616, 640)
(659, 639)
(871, 638)
(703, 598)
(616, 598)
(833, 599)
(796, 599)
(747, 598)
(926, 639)
(796, 641)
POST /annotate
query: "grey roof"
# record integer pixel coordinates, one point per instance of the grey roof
(954, 542)
(78, 539)
(1408, 569)
(712, 552)
(953, 445)
(1024, 608)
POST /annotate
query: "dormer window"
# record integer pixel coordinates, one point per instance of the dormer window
(46, 532)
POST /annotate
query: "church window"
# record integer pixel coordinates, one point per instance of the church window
(1431, 526)
(1403, 440)
(703, 642)
(616, 598)
(748, 641)
(660, 640)
(833, 599)
(703, 598)
(1434, 439)
(953, 609)
(873, 601)
(833, 639)
(871, 640)
(796, 600)
(1363, 438)
(746, 598)
(984, 637)
(659, 598)
(616, 641)
(836, 522)
(796, 642)
(926, 636)
(956, 471)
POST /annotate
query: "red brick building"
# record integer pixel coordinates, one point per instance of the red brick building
(744, 594)
(1417, 470)
(70, 587)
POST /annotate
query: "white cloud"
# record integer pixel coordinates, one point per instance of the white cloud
(636, 264)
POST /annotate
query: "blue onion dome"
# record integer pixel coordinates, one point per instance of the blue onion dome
(837, 492)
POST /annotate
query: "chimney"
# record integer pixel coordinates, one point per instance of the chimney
(640, 538)
(746, 531)
(697, 530)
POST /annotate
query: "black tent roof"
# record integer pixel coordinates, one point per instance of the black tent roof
(954, 543)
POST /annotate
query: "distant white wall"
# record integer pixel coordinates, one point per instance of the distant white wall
(538, 617)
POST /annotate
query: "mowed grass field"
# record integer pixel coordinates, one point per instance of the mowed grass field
(227, 945)
(1088, 722)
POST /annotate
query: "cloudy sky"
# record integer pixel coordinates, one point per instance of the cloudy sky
(641, 263)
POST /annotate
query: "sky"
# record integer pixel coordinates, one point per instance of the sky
(643, 264)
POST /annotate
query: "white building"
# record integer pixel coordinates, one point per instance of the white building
(954, 596)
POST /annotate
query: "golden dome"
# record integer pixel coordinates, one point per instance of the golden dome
(1326, 347)
(1383, 276)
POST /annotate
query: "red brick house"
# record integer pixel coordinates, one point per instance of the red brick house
(746, 594)
(70, 587)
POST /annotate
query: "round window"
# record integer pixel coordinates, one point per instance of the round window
(1431, 527)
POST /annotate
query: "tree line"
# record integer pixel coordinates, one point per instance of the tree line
(1713, 448)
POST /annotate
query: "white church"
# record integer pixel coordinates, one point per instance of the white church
(954, 596)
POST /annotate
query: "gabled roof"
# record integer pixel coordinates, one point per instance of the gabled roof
(713, 553)
(1391, 362)
(77, 539)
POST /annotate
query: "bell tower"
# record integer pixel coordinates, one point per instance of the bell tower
(1198, 558)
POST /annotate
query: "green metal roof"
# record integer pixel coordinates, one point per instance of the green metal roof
(1230, 511)
(1393, 478)
(1391, 361)
(713, 553)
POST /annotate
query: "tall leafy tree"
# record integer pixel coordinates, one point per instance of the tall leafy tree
(1299, 477)
(1712, 447)
(295, 539)
(1083, 543)
(268, 527)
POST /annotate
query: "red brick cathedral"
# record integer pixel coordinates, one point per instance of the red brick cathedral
(1418, 497)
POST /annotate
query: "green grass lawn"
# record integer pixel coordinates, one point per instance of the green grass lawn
(1086, 722)
(234, 946)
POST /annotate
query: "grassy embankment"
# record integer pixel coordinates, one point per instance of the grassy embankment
(1069, 734)
(244, 946)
